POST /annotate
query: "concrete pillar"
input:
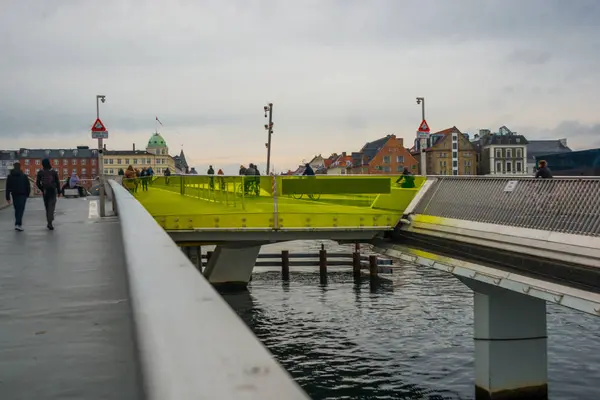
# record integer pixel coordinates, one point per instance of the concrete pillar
(510, 344)
(230, 266)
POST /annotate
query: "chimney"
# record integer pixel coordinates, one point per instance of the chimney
(134, 147)
(563, 142)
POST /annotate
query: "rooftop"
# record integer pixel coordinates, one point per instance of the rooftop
(82, 152)
(156, 140)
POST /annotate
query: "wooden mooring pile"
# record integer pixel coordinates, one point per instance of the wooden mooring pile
(361, 264)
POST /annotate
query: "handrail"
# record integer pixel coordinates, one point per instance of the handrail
(3, 203)
(191, 344)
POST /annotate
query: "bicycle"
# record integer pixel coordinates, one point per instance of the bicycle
(311, 196)
(248, 188)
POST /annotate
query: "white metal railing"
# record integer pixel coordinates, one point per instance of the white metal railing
(3, 202)
(191, 344)
(564, 204)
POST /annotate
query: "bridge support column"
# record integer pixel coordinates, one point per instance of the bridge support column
(510, 344)
(230, 266)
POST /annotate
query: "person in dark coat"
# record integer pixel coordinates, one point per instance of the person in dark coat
(408, 178)
(49, 183)
(19, 188)
(308, 171)
(543, 171)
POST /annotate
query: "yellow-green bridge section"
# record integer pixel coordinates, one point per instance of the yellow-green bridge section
(275, 203)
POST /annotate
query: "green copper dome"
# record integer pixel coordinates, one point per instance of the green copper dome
(156, 141)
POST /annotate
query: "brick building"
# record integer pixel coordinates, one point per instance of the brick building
(82, 160)
(383, 156)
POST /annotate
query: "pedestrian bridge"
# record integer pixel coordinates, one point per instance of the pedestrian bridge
(517, 243)
(229, 208)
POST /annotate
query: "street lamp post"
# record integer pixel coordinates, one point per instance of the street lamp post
(269, 127)
(423, 140)
(421, 101)
(101, 98)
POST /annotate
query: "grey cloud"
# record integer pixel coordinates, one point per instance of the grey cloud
(529, 56)
(581, 136)
(331, 67)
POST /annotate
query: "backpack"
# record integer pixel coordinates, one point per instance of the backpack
(48, 180)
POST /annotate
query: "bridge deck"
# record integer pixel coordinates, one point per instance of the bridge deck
(193, 203)
(67, 330)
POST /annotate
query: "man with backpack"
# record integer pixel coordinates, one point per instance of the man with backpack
(48, 182)
(17, 185)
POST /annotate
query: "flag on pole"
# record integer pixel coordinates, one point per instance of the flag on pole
(158, 120)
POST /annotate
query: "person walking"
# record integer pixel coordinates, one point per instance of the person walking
(49, 183)
(18, 186)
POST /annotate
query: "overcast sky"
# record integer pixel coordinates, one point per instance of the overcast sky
(340, 72)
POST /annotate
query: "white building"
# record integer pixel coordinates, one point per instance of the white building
(502, 153)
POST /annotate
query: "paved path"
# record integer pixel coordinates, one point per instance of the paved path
(65, 321)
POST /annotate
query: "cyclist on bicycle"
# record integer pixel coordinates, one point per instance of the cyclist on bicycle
(308, 171)
(248, 182)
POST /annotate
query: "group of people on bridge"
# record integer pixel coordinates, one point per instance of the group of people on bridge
(133, 177)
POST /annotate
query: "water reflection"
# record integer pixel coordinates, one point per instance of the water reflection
(409, 339)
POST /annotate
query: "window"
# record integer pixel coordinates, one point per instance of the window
(498, 153)
(454, 164)
(467, 155)
(508, 166)
(111, 161)
(111, 171)
(74, 161)
(55, 162)
(26, 162)
(65, 172)
(135, 161)
(105, 172)
(455, 138)
(498, 167)
(159, 161)
(508, 153)
(517, 140)
(83, 161)
(519, 166)
(105, 161)
(93, 162)
(399, 159)
(467, 163)
(118, 161)
(74, 170)
(27, 171)
(93, 171)
(37, 162)
(127, 161)
(387, 168)
(148, 161)
(455, 154)
(519, 153)
(455, 172)
(83, 171)
(454, 146)
(399, 168)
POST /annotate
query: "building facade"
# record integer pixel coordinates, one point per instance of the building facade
(156, 156)
(383, 156)
(340, 165)
(450, 153)
(501, 153)
(537, 148)
(83, 161)
(7, 159)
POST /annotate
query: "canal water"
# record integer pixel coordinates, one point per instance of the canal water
(411, 339)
